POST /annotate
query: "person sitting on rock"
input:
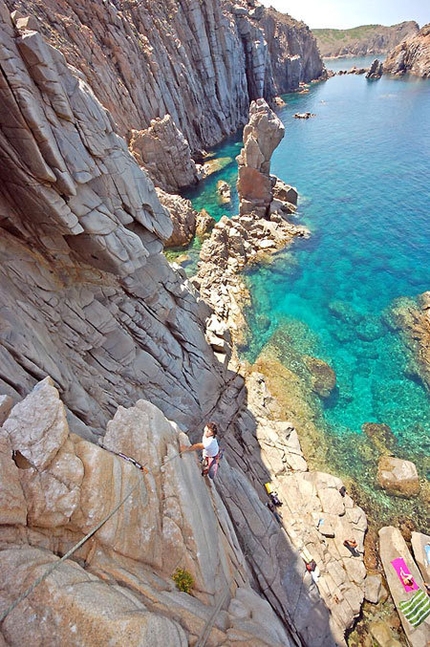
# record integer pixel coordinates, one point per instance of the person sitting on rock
(209, 446)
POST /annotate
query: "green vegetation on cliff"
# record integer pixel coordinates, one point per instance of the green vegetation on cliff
(362, 40)
(347, 35)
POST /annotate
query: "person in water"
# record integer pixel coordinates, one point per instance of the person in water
(208, 445)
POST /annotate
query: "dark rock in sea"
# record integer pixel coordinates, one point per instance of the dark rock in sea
(304, 115)
(375, 71)
(381, 436)
(344, 311)
(369, 329)
(323, 377)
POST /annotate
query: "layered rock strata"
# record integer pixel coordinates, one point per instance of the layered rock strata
(86, 293)
(412, 56)
(57, 487)
(199, 62)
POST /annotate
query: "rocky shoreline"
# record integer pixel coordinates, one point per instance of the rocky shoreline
(223, 258)
(111, 359)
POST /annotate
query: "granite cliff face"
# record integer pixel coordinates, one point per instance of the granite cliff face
(106, 348)
(57, 487)
(363, 41)
(87, 295)
(412, 56)
(199, 62)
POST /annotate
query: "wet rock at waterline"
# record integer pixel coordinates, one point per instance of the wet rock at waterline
(398, 477)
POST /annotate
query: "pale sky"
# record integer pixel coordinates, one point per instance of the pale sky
(343, 14)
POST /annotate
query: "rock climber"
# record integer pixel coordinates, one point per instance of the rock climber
(208, 445)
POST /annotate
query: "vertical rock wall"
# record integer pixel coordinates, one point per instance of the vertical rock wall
(201, 62)
(86, 294)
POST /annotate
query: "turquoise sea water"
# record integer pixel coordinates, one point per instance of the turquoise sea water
(362, 170)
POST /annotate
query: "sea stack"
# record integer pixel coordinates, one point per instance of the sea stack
(262, 134)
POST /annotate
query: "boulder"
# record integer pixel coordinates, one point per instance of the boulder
(421, 550)
(375, 70)
(398, 477)
(374, 590)
(380, 631)
(285, 193)
(223, 191)
(204, 224)
(37, 426)
(323, 377)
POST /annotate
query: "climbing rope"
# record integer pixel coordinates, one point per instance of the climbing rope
(202, 639)
(70, 552)
(84, 539)
(144, 469)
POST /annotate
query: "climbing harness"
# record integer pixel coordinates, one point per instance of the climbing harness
(210, 464)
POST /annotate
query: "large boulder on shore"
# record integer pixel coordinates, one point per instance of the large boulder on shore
(398, 477)
(184, 219)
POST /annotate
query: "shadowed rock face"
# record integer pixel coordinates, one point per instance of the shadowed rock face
(86, 293)
(201, 62)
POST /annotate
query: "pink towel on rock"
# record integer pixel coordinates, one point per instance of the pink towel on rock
(403, 571)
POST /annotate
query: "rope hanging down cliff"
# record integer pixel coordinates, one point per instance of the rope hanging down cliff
(145, 470)
(84, 539)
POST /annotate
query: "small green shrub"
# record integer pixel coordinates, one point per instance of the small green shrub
(183, 580)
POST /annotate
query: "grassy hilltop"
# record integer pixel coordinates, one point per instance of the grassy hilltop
(363, 40)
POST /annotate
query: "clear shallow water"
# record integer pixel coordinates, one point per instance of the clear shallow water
(361, 167)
